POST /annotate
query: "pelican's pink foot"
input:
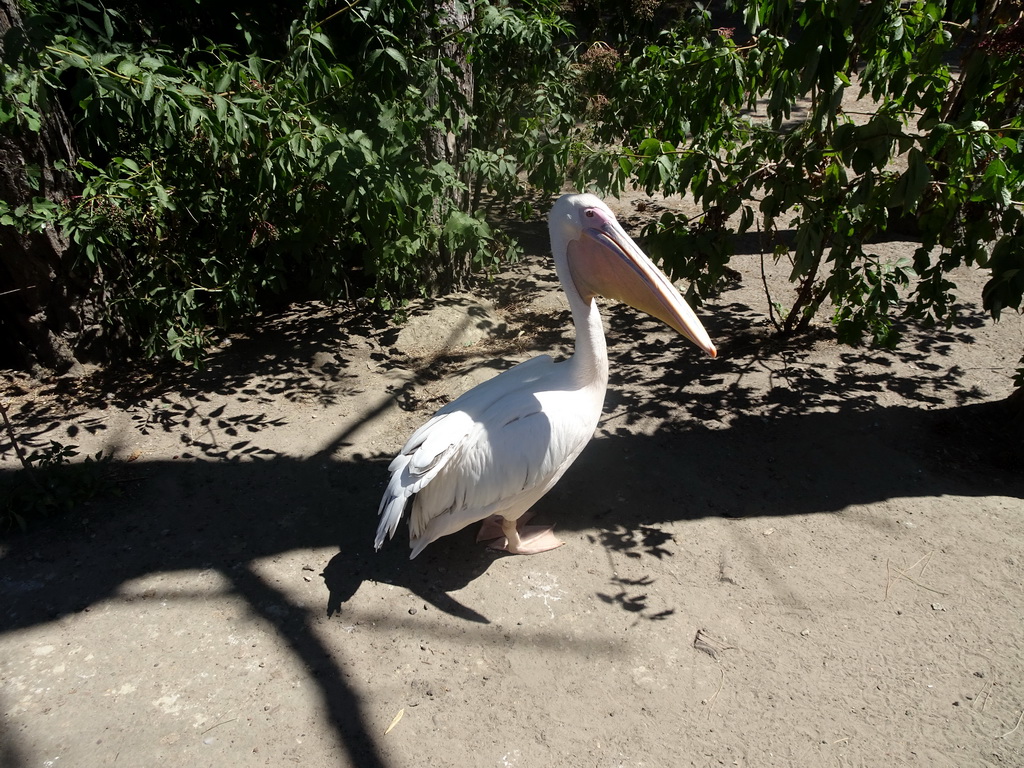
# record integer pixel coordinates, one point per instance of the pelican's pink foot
(515, 537)
(490, 529)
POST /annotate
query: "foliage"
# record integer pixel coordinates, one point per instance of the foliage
(935, 145)
(215, 178)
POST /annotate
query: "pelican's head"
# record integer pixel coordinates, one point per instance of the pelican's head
(603, 260)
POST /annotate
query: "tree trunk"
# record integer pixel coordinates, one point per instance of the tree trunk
(447, 22)
(43, 311)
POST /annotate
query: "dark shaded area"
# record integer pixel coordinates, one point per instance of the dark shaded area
(220, 515)
(340, 702)
(195, 514)
(10, 753)
(259, 27)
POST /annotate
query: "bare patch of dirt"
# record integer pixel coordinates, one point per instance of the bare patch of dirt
(800, 554)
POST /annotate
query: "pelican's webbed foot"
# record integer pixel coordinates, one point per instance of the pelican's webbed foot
(516, 537)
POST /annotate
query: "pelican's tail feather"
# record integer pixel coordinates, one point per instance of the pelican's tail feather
(396, 501)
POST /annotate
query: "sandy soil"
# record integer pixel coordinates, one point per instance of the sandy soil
(805, 555)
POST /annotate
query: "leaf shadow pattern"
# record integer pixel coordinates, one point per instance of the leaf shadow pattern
(212, 434)
(301, 355)
(634, 543)
(635, 603)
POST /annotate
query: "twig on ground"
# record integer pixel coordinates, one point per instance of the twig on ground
(218, 725)
(711, 702)
(30, 471)
(395, 721)
(1021, 717)
(983, 692)
(902, 574)
(14, 440)
(927, 559)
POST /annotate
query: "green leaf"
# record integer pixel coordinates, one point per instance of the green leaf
(127, 68)
(995, 171)
(650, 147)
(105, 59)
(162, 196)
(321, 38)
(746, 218)
(32, 119)
(937, 138)
(224, 82)
(398, 57)
(221, 107)
(911, 184)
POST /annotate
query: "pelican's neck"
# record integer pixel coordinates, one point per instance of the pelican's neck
(590, 356)
(589, 361)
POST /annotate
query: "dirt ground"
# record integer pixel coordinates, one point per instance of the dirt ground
(804, 555)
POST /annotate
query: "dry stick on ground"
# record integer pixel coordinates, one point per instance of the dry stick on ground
(1014, 727)
(927, 559)
(983, 692)
(714, 698)
(768, 295)
(29, 469)
(218, 725)
(902, 574)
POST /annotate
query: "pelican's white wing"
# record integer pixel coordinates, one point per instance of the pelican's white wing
(496, 449)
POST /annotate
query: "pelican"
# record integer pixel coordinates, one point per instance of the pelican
(493, 452)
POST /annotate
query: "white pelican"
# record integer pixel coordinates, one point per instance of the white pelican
(498, 448)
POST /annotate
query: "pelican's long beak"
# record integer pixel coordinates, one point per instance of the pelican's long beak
(606, 261)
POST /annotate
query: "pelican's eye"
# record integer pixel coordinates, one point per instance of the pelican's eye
(589, 213)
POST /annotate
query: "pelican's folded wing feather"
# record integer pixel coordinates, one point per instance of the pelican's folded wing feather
(472, 455)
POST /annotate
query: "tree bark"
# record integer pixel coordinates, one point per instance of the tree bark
(446, 22)
(43, 309)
